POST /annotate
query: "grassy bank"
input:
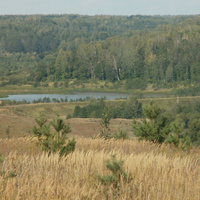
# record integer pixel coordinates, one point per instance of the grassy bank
(81, 86)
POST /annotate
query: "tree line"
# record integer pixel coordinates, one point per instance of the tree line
(140, 50)
(95, 108)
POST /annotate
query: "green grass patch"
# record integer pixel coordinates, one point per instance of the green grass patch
(80, 86)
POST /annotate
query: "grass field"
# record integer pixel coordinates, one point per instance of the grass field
(153, 172)
(20, 118)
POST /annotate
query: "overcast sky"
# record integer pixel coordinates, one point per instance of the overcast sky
(98, 7)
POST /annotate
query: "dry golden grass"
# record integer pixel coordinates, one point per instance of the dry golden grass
(157, 172)
(20, 120)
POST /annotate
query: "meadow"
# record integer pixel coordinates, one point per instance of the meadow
(20, 118)
(153, 171)
(60, 54)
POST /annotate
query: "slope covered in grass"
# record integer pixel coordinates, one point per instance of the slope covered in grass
(154, 172)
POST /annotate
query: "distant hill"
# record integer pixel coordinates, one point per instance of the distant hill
(161, 50)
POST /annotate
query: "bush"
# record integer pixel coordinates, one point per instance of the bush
(55, 84)
(190, 91)
(13, 102)
(117, 172)
(177, 138)
(194, 129)
(131, 108)
(121, 135)
(69, 116)
(136, 83)
(155, 127)
(94, 109)
(104, 123)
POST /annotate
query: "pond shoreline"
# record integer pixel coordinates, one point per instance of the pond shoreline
(79, 96)
(70, 97)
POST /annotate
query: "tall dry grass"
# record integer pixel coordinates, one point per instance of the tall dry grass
(156, 172)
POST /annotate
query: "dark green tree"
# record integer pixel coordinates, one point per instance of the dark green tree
(118, 173)
(155, 125)
(104, 123)
(177, 138)
(194, 130)
(54, 141)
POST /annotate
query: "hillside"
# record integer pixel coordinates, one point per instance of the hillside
(144, 147)
(141, 169)
(134, 50)
(153, 172)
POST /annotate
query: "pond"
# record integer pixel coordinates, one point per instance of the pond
(70, 97)
(78, 96)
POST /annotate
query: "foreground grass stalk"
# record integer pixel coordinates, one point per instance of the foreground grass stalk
(152, 172)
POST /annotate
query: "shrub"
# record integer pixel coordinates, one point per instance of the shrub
(69, 116)
(121, 135)
(104, 123)
(55, 84)
(177, 138)
(136, 83)
(154, 127)
(131, 108)
(117, 173)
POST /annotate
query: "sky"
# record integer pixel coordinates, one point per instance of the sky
(100, 7)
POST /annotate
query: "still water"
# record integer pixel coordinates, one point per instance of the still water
(70, 97)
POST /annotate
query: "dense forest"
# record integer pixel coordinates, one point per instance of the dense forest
(140, 50)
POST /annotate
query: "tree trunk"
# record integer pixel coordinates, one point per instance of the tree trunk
(115, 67)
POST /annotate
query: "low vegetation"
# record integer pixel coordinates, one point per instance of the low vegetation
(148, 171)
(107, 164)
(127, 109)
(41, 100)
(157, 127)
(53, 142)
(98, 149)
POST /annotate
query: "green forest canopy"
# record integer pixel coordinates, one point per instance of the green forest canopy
(163, 50)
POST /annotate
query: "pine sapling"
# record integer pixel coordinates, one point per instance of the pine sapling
(54, 141)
